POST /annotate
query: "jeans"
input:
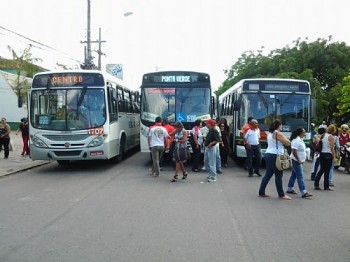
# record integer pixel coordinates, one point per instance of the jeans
(271, 169)
(253, 159)
(297, 174)
(210, 161)
(157, 152)
(326, 160)
(218, 158)
(316, 164)
(196, 156)
(5, 141)
(331, 173)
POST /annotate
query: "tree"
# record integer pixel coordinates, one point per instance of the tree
(23, 64)
(323, 63)
(344, 100)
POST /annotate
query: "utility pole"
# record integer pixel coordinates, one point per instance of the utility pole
(99, 48)
(88, 64)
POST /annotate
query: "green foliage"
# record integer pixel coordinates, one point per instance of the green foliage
(344, 99)
(323, 63)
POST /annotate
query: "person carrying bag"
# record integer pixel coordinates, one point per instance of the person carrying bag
(275, 148)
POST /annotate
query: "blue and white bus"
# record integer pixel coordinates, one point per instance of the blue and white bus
(178, 95)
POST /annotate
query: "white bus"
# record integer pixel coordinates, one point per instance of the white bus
(266, 100)
(178, 95)
(81, 115)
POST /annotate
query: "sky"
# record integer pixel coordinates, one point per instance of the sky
(206, 36)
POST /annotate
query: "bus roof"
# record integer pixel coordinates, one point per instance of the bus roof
(240, 83)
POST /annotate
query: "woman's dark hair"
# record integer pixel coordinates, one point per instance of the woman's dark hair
(321, 130)
(197, 122)
(297, 132)
(274, 125)
(178, 125)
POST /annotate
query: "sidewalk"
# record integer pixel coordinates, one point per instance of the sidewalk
(16, 163)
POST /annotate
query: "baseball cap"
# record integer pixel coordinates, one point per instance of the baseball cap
(211, 122)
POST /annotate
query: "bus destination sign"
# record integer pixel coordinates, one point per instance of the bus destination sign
(176, 79)
(67, 80)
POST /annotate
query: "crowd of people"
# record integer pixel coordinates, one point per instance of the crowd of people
(213, 137)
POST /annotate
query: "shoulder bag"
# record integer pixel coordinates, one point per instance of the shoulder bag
(283, 162)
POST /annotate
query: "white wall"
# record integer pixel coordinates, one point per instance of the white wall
(8, 102)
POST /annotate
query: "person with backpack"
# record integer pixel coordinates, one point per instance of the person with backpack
(316, 159)
(327, 156)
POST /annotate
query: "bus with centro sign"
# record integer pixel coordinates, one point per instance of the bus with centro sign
(178, 95)
(266, 100)
(82, 115)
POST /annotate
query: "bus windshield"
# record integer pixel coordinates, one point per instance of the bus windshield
(67, 109)
(292, 109)
(185, 104)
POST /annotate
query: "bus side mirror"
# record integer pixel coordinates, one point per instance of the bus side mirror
(237, 104)
(20, 102)
(213, 105)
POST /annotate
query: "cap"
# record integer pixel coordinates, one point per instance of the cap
(211, 122)
(344, 126)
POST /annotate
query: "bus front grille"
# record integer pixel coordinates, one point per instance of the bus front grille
(68, 153)
(70, 137)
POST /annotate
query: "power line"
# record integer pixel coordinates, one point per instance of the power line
(41, 44)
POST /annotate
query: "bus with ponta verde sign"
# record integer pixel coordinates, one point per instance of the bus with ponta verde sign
(178, 95)
(82, 115)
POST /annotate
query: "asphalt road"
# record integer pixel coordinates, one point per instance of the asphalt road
(96, 211)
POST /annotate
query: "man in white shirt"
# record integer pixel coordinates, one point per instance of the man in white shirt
(251, 139)
(157, 142)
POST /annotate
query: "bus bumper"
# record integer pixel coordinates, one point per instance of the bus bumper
(89, 153)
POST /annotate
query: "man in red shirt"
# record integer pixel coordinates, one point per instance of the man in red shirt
(344, 137)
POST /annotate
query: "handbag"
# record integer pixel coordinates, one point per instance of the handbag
(181, 154)
(283, 162)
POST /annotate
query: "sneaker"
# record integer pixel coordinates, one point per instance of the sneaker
(317, 188)
(257, 173)
(292, 192)
(211, 180)
(329, 189)
(285, 197)
(331, 184)
(250, 175)
(219, 171)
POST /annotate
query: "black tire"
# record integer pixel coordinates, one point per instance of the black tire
(120, 157)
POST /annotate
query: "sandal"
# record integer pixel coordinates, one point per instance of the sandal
(184, 176)
(306, 195)
(174, 178)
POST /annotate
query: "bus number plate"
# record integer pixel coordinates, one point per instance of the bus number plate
(96, 131)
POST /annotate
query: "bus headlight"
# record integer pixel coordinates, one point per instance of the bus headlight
(96, 141)
(38, 142)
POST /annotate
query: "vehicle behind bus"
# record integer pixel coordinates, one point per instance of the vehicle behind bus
(266, 100)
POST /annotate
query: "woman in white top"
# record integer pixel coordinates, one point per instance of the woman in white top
(327, 156)
(298, 157)
(275, 146)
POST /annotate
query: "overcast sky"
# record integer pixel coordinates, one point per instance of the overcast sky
(207, 36)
